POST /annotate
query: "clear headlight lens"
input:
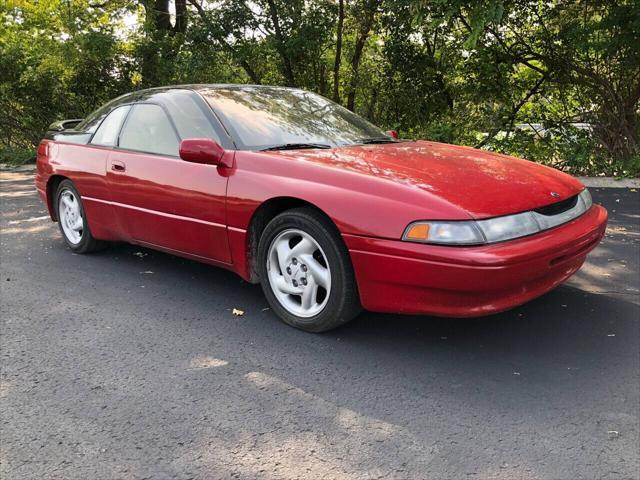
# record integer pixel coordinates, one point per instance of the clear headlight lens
(506, 228)
(494, 229)
(585, 196)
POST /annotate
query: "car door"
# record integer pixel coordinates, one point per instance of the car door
(159, 199)
(97, 201)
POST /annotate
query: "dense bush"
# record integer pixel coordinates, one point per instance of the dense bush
(16, 155)
(469, 72)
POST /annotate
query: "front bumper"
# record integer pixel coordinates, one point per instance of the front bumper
(396, 276)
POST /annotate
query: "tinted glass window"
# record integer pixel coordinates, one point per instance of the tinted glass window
(187, 112)
(107, 133)
(148, 129)
(261, 117)
(91, 123)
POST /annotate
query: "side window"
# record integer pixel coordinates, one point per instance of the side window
(107, 133)
(94, 119)
(189, 116)
(148, 129)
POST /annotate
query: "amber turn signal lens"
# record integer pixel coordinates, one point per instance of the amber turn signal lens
(419, 231)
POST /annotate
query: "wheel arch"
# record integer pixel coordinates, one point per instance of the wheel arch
(52, 187)
(266, 212)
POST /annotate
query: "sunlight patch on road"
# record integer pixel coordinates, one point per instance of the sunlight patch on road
(17, 230)
(18, 193)
(604, 279)
(278, 448)
(5, 387)
(619, 230)
(6, 177)
(506, 471)
(28, 220)
(207, 362)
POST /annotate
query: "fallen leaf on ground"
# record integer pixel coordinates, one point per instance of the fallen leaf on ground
(237, 312)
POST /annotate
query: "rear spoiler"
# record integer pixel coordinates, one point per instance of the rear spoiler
(61, 125)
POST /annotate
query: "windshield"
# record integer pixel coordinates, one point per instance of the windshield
(265, 117)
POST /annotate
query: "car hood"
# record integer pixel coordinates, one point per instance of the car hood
(484, 184)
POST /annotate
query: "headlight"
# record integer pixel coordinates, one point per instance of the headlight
(511, 226)
(494, 229)
(585, 196)
(451, 233)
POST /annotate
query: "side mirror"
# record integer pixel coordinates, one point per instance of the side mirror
(392, 133)
(202, 150)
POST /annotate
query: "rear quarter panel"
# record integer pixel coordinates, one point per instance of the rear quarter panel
(85, 166)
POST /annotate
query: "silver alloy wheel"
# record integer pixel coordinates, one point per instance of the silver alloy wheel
(299, 273)
(70, 216)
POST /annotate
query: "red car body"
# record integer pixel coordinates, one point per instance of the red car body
(371, 192)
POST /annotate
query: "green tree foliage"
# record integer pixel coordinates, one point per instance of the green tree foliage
(555, 81)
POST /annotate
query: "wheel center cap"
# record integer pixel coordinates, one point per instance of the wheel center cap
(298, 274)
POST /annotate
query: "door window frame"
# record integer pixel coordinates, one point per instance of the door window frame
(126, 121)
(226, 139)
(104, 119)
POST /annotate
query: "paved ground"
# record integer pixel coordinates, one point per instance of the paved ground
(110, 371)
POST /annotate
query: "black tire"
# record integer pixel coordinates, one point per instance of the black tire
(87, 243)
(343, 302)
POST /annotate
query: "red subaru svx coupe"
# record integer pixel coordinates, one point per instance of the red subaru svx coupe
(329, 213)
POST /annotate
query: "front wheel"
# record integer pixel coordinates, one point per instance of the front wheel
(72, 220)
(306, 272)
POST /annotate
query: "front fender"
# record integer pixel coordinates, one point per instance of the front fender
(358, 203)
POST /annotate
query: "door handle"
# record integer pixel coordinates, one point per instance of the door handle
(117, 166)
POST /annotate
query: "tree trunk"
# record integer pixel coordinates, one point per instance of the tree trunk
(371, 109)
(617, 129)
(370, 7)
(181, 17)
(280, 45)
(336, 64)
(161, 16)
(229, 48)
(322, 81)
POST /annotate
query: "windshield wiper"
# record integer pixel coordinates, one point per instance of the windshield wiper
(369, 141)
(295, 146)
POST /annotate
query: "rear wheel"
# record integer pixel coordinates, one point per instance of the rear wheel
(72, 220)
(306, 272)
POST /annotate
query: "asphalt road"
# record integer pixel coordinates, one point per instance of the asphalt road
(129, 364)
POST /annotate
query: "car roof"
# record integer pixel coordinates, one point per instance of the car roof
(201, 88)
(160, 94)
(212, 86)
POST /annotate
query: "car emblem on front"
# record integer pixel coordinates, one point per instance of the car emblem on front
(555, 194)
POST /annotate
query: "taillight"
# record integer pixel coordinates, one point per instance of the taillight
(43, 149)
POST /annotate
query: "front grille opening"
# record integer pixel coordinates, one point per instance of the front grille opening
(559, 207)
